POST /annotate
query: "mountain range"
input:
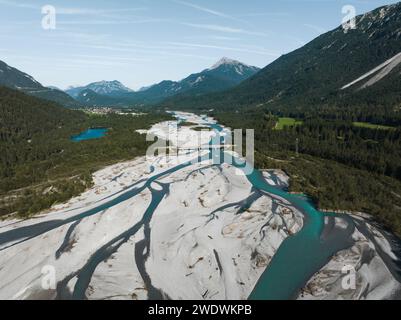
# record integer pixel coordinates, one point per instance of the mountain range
(360, 67)
(225, 74)
(102, 87)
(355, 68)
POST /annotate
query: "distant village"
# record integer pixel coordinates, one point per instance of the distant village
(109, 110)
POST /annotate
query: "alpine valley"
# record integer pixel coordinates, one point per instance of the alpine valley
(315, 216)
(225, 74)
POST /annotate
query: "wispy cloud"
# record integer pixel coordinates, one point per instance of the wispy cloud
(81, 36)
(111, 22)
(60, 61)
(255, 50)
(226, 29)
(147, 51)
(224, 38)
(209, 11)
(211, 37)
(113, 58)
(73, 10)
(203, 9)
(175, 48)
(88, 11)
(265, 14)
(17, 4)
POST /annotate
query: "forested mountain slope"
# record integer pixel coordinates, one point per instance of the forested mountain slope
(16, 79)
(40, 165)
(225, 74)
(315, 75)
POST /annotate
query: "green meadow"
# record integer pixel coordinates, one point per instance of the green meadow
(287, 122)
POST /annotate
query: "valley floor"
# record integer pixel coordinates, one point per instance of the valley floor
(163, 228)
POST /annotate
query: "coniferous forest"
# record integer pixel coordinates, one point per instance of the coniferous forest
(340, 165)
(41, 166)
(344, 149)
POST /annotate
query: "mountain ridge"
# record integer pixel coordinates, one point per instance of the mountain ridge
(226, 73)
(103, 87)
(313, 75)
(13, 78)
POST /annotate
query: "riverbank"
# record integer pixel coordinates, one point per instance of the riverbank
(165, 227)
(372, 263)
(53, 169)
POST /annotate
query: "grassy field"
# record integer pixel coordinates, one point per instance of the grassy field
(372, 126)
(287, 122)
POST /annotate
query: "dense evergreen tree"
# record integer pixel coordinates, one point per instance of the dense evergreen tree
(40, 165)
(341, 166)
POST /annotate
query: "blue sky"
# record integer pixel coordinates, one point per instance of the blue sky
(141, 42)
